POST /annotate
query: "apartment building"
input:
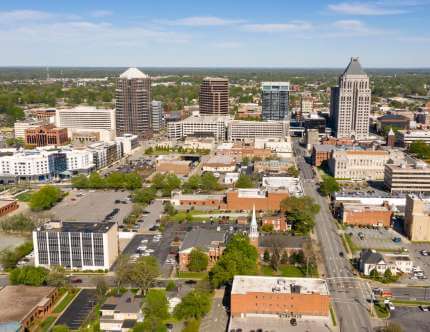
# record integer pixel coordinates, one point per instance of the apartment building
(358, 164)
(417, 218)
(128, 143)
(239, 130)
(45, 135)
(19, 127)
(199, 126)
(213, 97)
(79, 161)
(410, 176)
(258, 301)
(105, 153)
(76, 245)
(274, 100)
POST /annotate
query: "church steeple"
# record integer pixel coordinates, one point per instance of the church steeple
(253, 230)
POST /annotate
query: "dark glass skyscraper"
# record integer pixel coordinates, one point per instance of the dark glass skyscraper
(213, 99)
(274, 100)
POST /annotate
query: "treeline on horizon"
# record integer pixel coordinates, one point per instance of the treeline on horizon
(261, 73)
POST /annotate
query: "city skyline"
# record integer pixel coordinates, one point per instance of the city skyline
(309, 34)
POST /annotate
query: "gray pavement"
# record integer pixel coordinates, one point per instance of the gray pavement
(217, 318)
(381, 239)
(155, 210)
(349, 295)
(411, 319)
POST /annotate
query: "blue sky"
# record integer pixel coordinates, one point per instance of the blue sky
(264, 33)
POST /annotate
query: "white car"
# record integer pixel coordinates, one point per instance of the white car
(144, 241)
(149, 250)
(391, 306)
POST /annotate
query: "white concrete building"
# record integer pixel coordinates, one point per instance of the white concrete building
(157, 113)
(76, 245)
(19, 127)
(239, 130)
(129, 142)
(281, 147)
(87, 119)
(407, 137)
(79, 161)
(200, 126)
(293, 185)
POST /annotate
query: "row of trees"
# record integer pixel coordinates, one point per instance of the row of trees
(300, 212)
(420, 149)
(161, 149)
(45, 198)
(205, 182)
(38, 276)
(10, 257)
(115, 180)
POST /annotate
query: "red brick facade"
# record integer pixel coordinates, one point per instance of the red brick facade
(270, 202)
(279, 222)
(46, 135)
(7, 206)
(367, 216)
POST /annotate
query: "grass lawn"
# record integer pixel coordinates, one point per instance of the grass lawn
(24, 197)
(289, 271)
(348, 240)
(46, 324)
(381, 311)
(410, 303)
(65, 302)
(192, 275)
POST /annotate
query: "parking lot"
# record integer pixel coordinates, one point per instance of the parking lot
(411, 319)
(92, 205)
(78, 310)
(381, 238)
(420, 260)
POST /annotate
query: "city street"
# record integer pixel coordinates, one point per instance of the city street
(349, 295)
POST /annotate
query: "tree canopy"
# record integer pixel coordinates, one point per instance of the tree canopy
(115, 180)
(420, 149)
(198, 261)
(328, 185)
(45, 198)
(29, 275)
(244, 181)
(300, 213)
(195, 305)
(156, 310)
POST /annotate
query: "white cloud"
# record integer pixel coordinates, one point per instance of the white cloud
(227, 44)
(350, 25)
(200, 21)
(278, 27)
(365, 9)
(101, 13)
(348, 28)
(24, 15)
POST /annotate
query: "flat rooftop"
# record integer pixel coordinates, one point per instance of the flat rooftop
(17, 301)
(276, 324)
(82, 227)
(351, 207)
(262, 284)
(220, 160)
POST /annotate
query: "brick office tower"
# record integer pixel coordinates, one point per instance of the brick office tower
(214, 94)
(133, 104)
(350, 103)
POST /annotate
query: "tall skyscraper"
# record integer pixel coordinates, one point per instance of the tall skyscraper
(157, 110)
(213, 98)
(350, 103)
(274, 100)
(133, 103)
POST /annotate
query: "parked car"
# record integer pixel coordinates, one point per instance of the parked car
(76, 281)
(397, 240)
(423, 308)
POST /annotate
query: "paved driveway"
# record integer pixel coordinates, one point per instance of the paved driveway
(217, 318)
(155, 210)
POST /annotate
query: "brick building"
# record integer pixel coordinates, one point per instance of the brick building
(279, 222)
(262, 298)
(366, 215)
(213, 201)
(211, 242)
(264, 200)
(321, 153)
(46, 135)
(179, 167)
(7, 206)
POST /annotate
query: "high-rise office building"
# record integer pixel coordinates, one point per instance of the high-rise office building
(157, 111)
(133, 103)
(213, 98)
(274, 100)
(350, 103)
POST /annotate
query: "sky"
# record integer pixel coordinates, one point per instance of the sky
(220, 33)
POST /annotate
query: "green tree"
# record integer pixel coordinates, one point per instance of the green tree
(267, 228)
(171, 286)
(156, 310)
(193, 183)
(266, 256)
(293, 171)
(300, 213)
(374, 273)
(96, 181)
(191, 325)
(239, 257)
(123, 271)
(158, 181)
(244, 181)
(8, 259)
(194, 305)
(56, 276)
(198, 261)
(29, 275)
(328, 185)
(144, 272)
(420, 149)
(101, 289)
(145, 196)
(80, 181)
(169, 209)
(45, 198)
(60, 328)
(171, 182)
(209, 182)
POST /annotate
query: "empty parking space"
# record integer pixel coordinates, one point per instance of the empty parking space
(78, 310)
(411, 319)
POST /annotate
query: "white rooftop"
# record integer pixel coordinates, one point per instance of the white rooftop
(253, 284)
(133, 72)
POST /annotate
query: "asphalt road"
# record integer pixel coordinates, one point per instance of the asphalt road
(349, 295)
(411, 293)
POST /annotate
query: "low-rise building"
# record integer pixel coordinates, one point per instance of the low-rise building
(239, 130)
(289, 183)
(321, 153)
(197, 200)
(273, 166)
(21, 126)
(211, 242)
(397, 121)
(231, 178)
(371, 260)
(121, 313)
(264, 299)
(23, 306)
(263, 200)
(46, 135)
(128, 143)
(407, 137)
(199, 126)
(240, 150)
(278, 146)
(278, 221)
(221, 164)
(249, 110)
(366, 215)
(207, 143)
(76, 245)
(168, 164)
(408, 176)
(358, 164)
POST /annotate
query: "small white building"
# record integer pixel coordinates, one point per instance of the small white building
(372, 260)
(231, 178)
(293, 185)
(128, 142)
